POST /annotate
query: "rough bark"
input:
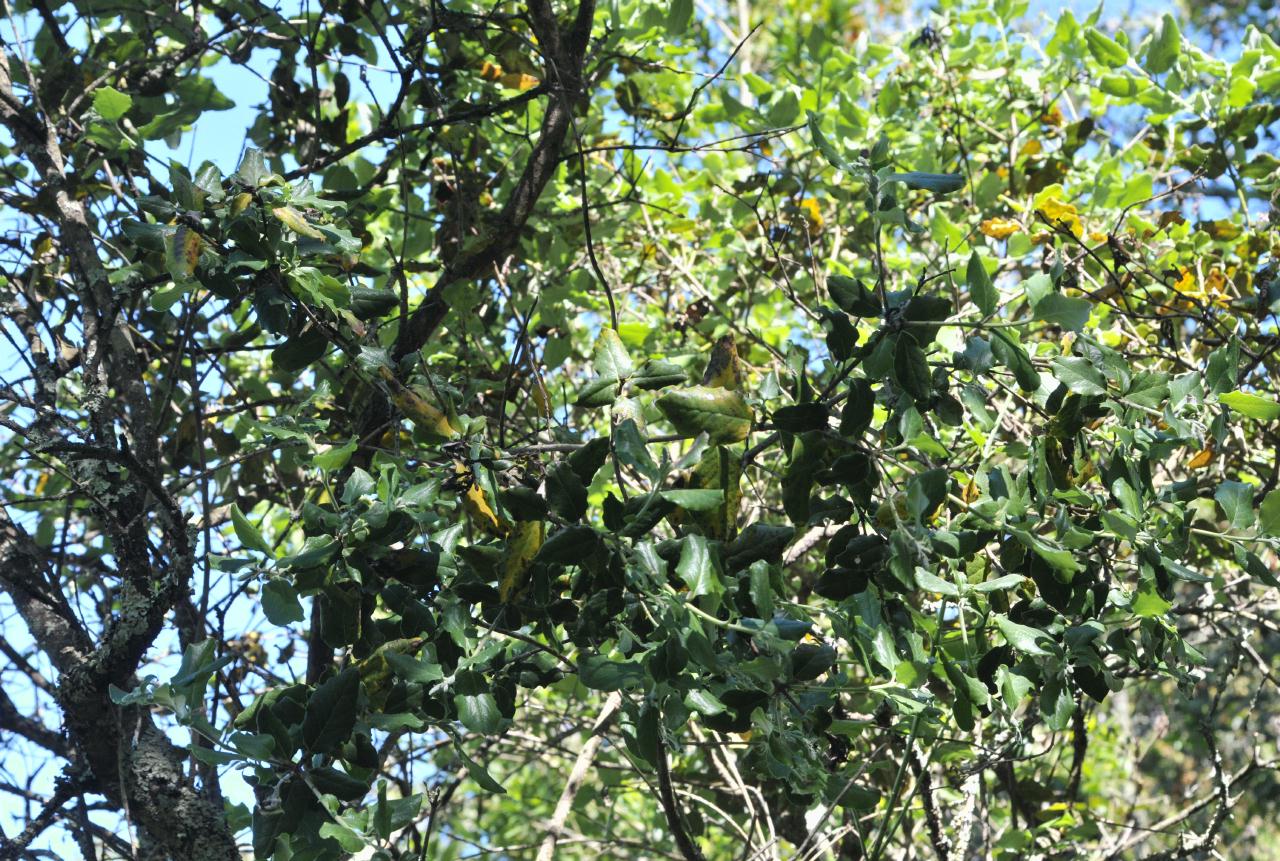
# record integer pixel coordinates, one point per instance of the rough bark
(127, 758)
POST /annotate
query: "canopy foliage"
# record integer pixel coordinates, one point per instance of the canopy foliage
(637, 429)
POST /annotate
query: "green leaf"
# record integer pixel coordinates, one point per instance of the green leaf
(853, 297)
(1104, 49)
(632, 448)
(350, 840)
(703, 702)
(413, 669)
(799, 418)
(1008, 581)
(1029, 641)
(981, 290)
(368, 302)
(696, 568)
(1060, 559)
(247, 533)
(479, 773)
(1011, 354)
(1253, 406)
(695, 500)
(939, 183)
(1079, 375)
(1069, 312)
(911, 370)
(1269, 513)
(331, 712)
(331, 781)
(316, 551)
(824, 146)
(1148, 389)
(1148, 603)
(679, 14)
(335, 458)
(930, 582)
(586, 461)
(1165, 46)
(1236, 499)
(610, 359)
(570, 545)
(280, 602)
(658, 374)
(926, 491)
(722, 414)
(110, 103)
(566, 494)
(759, 541)
(479, 712)
(359, 483)
(811, 660)
(1122, 85)
(601, 674)
(253, 170)
(1056, 704)
(599, 392)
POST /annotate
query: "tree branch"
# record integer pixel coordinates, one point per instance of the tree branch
(671, 808)
(579, 772)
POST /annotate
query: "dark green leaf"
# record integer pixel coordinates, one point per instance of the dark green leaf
(331, 712)
(911, 370)
(940, 183)
(566, 494)
(801, 417)
(853, 297)
(658, 374)
(601, 674)
(280, 602)
(1010, 354)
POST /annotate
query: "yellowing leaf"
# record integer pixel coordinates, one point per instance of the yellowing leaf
(295, 221)
(724, 368)
(1000, 228)
(518, 81)
(476, 505)
(1031, 147)
(1061, 213)
(1215, 288)
(541, 399)
(490, 71)
(813, 215)
(525, 542)
(183, 252)
(417, 410)
(1201, 459)
(241, 202)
